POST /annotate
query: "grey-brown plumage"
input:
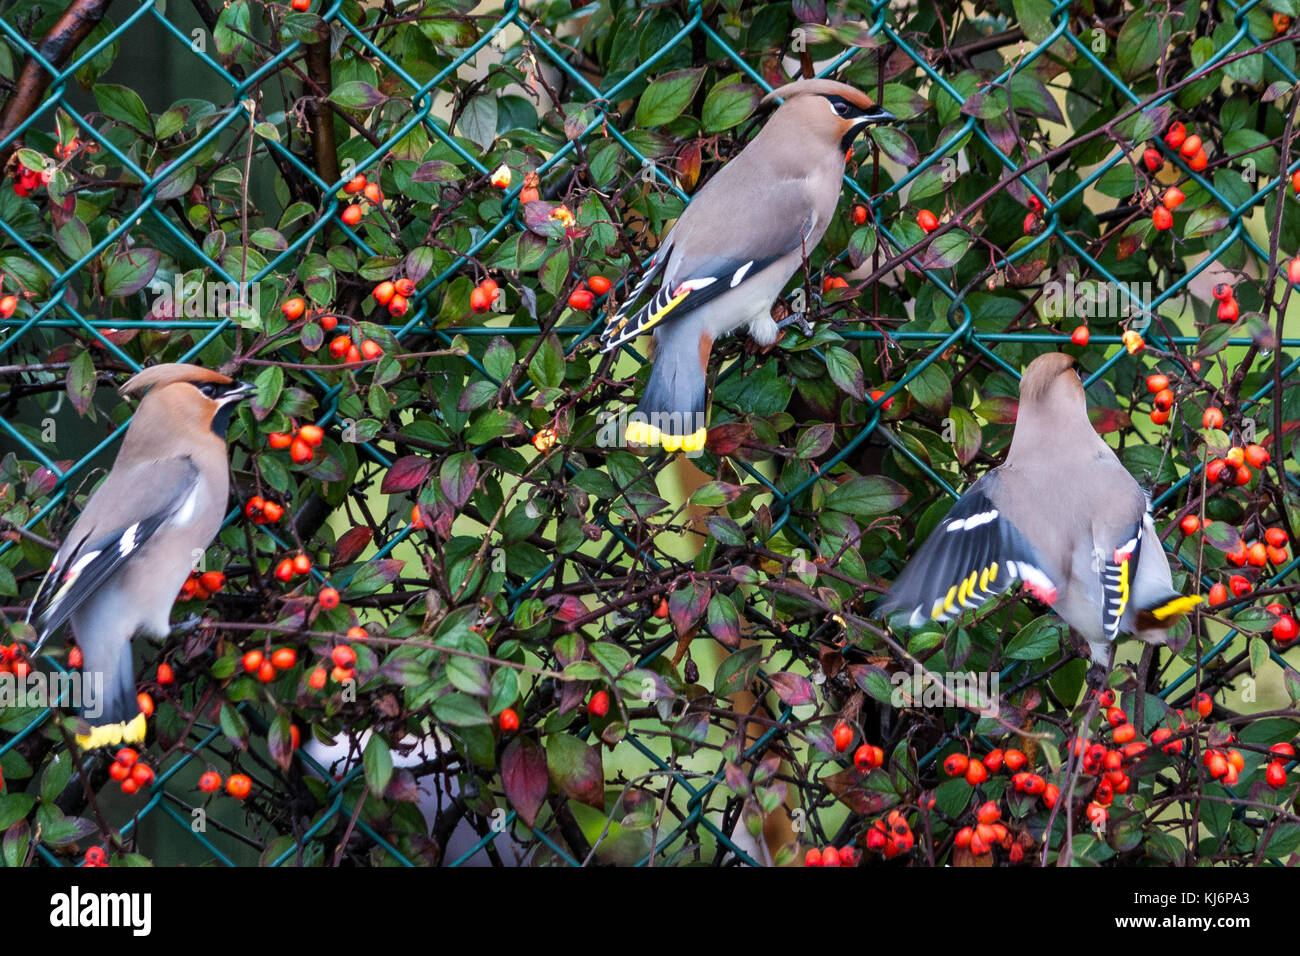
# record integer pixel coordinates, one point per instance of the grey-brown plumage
(1062, 516)
(734, 248)
(142, 531)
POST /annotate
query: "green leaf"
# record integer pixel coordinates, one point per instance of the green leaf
(737, 671)
(131, 271)
(946, 251)
(1140, 41)
(932, 388)
(1036, 640)
(123, 104)
(869, 495)
(377, 763)
(846, 371)
(478, 121)
(728, 104)
(666, 97)
(547, 367)
(81, 381)
(356, 94)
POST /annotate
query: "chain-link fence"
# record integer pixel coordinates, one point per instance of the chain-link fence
(252, 142)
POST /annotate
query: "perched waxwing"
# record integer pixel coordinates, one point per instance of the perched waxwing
(734, 248)
(123, 563)
(1063, 517)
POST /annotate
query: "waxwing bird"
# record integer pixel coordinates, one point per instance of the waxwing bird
(1062, 516)
(734, 248)
(123, 563)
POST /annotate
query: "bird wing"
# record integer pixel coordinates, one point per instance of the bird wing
(97, 545)
(1118, 569)
(975, 554)
(699, 271)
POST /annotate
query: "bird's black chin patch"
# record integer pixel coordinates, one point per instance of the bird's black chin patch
(221, 420)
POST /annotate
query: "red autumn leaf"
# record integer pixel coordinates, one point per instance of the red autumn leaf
(524, 777)
(351, 544)
(406, 473)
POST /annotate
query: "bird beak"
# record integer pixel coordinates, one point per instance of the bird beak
(237, 392)
(877, 114)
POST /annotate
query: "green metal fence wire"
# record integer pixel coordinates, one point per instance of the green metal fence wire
(56, 311)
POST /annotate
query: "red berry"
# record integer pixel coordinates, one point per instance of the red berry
(1173, 198)
(343, 656)
(843, 737)
(955, 765)
(1080, 335)
(1275, 776)
(239, 785)
(1285, 630)
(405, 287)
(1213, 418)
(1222, 292)
(813, 857)
(316, 680)
(1124, 733)
(581, 299)
(859, 215)
(1152, 158)
(300, 452)
(976, 773)
(355, 185)
(1238, 585)
(293, 309)
(1199, 161)
(284, 658)
(927, 220)
(1218, 594)
(1203, 704)
(1190, 146)
(252, 661)
(1293, 270)
(509, 721)
(210, 782)
(384, 292)
(329, 598)
(1228, 311)
(599, 284)
(1157, 382)
(1275, 536)
(479, 301)
(1176, 135)
(598, 706)
(1014, 759)
(1162, 218)
(1190, 524)
(165, 674)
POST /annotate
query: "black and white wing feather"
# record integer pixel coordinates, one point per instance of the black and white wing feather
(96, 548)
(974, 554)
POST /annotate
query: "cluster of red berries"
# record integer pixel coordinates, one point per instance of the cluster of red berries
(267, 667)
(27, 181)
(301, 442)
(584, 296)
(989, 831)
(1034, 218)
(13, 660)
(344, 659)
(868, 757)
(261, 511)
(360, 187)
(394, 295)
(200, 587)
(832, 856)
(483, 295)
(130, 772)
(890, 836)
(830, 283)
(1226, 296)
(1189, 146)
(1275, 775)
(1234, 467)
(238, 785)
(292, 567)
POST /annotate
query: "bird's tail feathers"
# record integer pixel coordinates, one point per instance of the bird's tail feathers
(112, 710)
(672, 410)
(1167, 610)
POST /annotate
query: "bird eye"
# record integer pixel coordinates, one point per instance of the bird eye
(209, 390)
(841, 108)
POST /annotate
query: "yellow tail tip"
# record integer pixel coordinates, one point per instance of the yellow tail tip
(643, 433)
(111, 735)
(1180, 605)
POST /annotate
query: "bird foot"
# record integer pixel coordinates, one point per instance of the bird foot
(191, 623)
(799, 319)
